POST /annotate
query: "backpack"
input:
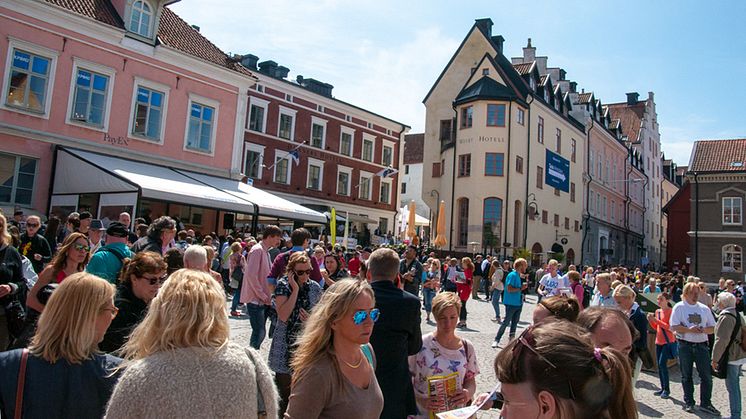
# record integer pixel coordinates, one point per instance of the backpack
(119, 256)
(586, 294)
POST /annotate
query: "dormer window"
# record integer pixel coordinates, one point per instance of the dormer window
(141, 18)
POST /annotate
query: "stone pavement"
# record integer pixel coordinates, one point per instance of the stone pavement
(481, 332)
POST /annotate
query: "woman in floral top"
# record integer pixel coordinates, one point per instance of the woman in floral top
(295, 296)
(444, 353)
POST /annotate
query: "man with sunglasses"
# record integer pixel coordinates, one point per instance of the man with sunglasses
(35, 246)
(107, 261)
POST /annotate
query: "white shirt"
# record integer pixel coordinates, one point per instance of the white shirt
(553, 284)
(685, 314)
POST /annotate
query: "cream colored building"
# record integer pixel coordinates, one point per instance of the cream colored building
(491, 130)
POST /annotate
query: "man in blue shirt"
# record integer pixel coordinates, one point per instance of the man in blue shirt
(107, 261)
(512, 299)
(651, 287)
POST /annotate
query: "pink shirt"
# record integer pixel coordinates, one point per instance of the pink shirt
(255, 289)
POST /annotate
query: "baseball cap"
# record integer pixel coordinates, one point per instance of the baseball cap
(116, 229)
(96, 224)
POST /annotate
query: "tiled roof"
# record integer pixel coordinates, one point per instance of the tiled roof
(173, 31)
(718, 156)
(414, 148)
(584, 97)
(614, 124)
(543, 79)
(523, 68)
(485, 88)
(630, 117)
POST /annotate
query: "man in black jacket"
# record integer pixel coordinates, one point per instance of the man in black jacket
(395, 336)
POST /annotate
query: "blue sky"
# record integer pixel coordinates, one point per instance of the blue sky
(385, 55)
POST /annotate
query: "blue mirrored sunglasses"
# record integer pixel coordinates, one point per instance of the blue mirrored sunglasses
(361, 315)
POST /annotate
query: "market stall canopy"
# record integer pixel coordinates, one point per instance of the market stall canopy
(418, 219)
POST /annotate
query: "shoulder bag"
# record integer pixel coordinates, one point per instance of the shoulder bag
(21, 383)
(673, 347)
(722, 370)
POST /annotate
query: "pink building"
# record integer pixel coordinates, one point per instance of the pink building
(121, 105)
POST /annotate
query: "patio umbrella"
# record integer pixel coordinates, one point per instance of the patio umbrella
(440, 238)
(411, 230)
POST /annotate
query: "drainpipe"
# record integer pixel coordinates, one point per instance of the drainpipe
(528, 169)
(507, 187)
(587, 215)
(696, 225)
(453, 181)
(627, 202)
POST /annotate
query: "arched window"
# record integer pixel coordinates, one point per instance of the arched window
(141, 18)
(492, 223)
(463, 222)
(732, 258)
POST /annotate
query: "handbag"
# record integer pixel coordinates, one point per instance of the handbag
(722, 370)
(673, 347)
(15, 315)
(21, 383)
(236, 277)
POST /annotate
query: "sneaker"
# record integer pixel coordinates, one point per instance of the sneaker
(689, 408)
(657, 393)
(665, 395)
(710, 409)
(236, 313)
(494, 320)
(494, 344)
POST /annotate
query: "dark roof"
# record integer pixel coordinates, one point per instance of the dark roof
(414, 148)
(523, 68)
(173, 31)
(629, 116)
(614, 124)
(543, 79)
(584, 97)
(485, 88)
(718, 156)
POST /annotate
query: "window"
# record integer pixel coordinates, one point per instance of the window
(257, 114)
(286, 127)
(315, 175)
(141, 18)
(612, 209)
(464, 165)
(406, 169)
(200, 131)
(495, 115)
(383, 226)
(544, 216)
(365, 185)
(519, 164)
(574, 150)
(556, 220)
(577, 226)
(344, 175)
(345, 141)
(732, 258)
(463, 221)
(149, 109)
(17, 177)
(282, 167)
(567, 223)
(521, 116)
(446, 128)
(572, 191)
(492, 222)
(539, 177)
(603, 208)
(732, 211)
(385, 192)
(404, 188)
(28, 81)
(540, 130)
(592, 167)
(90, 97)
(467, 117)
(436, 169)
(318, 127)
(559, 141)
(254, 162)
(485, 71)
(387, 157)
(493, 164)
(368, 149)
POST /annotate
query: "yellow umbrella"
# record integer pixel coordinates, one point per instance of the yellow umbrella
(411, 231)
(440, 239)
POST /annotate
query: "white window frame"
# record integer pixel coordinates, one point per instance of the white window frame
(166, 90)
(14, 43)
(521, 117)
(739, 207)
(320, 164)
(78, 64)
(14, 186)
(737, 250)
(291, 113)
(372, 139)
(348, 171)
(369, 176)
(282, 154)
(317, 121)
(388, 144)
(351, 132)
(264, 104)
(388, 182)
(215, 105)
(256, 148)
(153, 17)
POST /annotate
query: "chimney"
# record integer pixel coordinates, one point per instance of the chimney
(249, 61)
(268, 67)
(573, 86)
(195, 27)
(485, 25)
(498, 40)
(282, 72)
(632, 98)
(313, 85)
(562, 74)
(529, 52)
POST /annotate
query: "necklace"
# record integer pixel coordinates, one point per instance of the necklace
(355, 366)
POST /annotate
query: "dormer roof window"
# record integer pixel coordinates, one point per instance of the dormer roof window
(141, 18)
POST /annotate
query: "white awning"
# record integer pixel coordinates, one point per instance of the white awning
(418, 219)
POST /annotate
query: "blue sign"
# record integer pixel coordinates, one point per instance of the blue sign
(557, 172)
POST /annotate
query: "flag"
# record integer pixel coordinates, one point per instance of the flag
(295, 156)
(333, 226)
(347, 217)
(387, 172)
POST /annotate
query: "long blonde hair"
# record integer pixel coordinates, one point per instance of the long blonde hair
(5, 237)
(67, 326)
(316, 341)
(189, 310)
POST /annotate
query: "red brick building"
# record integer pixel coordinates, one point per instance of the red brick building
(679, 216)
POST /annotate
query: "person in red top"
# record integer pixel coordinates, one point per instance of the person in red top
(354, 264)
(665, 342)
(463, 288)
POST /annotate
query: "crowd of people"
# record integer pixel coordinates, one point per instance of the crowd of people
(125, 321)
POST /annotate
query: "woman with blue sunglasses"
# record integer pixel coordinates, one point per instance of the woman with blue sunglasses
(334, 365)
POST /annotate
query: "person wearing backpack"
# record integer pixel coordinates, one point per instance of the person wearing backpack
(577, 289)
(729, 350)
(108, 260)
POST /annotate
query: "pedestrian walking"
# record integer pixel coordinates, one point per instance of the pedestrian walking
(497, 287)
(35, 246)
(430, 286)
(666, 346)
(728, 354)
(463, 288)
(512, 299)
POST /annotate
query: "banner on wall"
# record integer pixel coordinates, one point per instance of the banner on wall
(557, 173)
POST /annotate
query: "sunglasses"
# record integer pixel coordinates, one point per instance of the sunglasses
(155, 280)
(32, 225)
(80, 247)
(360, 316)
(526, 340)
(301, 273)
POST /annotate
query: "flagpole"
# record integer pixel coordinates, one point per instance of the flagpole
(288, 154)
(347, 218)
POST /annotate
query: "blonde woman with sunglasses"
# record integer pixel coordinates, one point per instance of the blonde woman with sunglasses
(71, 258)
(334, 365)
(65, 374)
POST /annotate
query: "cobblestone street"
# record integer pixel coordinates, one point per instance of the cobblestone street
(481, 333)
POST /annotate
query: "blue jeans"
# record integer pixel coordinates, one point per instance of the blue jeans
(734, 390)
(663, 354)
(699, 354)
(496, 295)
(512, 315)
(236, 299)
(428, 294)
(258, 319)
